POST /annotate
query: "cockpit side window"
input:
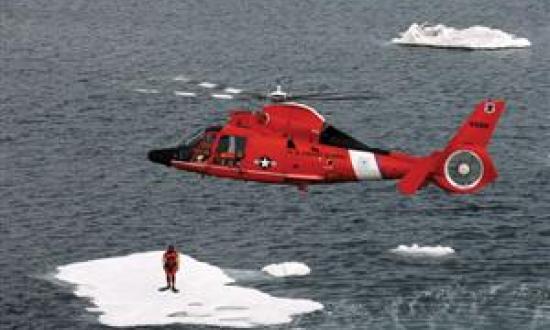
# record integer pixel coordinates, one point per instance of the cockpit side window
(224, 145)
(209, 138)
(230, 150)
(240, 144)
(233, 145)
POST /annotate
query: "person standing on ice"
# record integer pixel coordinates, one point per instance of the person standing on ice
(171, 264)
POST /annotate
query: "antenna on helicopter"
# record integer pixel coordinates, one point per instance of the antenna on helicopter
(278, 95)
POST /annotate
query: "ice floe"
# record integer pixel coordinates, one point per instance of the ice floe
(285, 269)
(423, 251)
(475, 37)
(125, 292)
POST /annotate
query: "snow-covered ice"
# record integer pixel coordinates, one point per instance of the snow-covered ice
(475, 37)
(423, 251)
(125, 293)
(285, 269)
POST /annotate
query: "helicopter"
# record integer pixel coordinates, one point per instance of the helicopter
(287, 142)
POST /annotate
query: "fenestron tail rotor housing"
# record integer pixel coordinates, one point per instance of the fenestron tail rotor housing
(463, 169)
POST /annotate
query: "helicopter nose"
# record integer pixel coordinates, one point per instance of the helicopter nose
(162, 156)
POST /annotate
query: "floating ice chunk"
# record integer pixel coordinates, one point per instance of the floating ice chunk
(475, 37)
(423, 251)
(284, 269)
(124, 290)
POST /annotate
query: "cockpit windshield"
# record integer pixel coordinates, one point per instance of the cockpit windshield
(192, 138)
(198, 135)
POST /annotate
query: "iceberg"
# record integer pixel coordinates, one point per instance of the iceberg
(475, 37)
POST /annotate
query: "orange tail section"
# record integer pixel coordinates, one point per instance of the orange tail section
(464, 166)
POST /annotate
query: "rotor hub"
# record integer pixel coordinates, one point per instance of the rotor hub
(463, 169)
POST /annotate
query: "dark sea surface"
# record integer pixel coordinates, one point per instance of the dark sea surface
(75, 183)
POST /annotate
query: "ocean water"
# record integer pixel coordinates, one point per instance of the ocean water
(75, 184)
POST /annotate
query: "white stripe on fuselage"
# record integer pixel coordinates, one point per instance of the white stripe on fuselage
(364, 165)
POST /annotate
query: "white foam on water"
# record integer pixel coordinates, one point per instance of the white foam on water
(475, 37)
(207, 84)
(181, 78)
(232, 90)
(146, 91)
(222, 96)
(185, 94)
(285, 269)
(125, 292)
(423, 251)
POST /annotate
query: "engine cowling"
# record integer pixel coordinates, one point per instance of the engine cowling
(465, 170)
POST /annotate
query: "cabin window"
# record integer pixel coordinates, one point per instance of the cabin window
(290, 143)
(334, 137)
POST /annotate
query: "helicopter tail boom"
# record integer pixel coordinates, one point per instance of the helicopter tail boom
(464, 166)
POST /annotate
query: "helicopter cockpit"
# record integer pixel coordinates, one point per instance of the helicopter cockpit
(197, 146)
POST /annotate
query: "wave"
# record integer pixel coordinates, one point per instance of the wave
(423, 251)
(285, 269)
(475, 37)
(475, 306)
(124, 291)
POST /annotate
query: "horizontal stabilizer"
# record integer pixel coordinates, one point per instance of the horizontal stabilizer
(416, 177)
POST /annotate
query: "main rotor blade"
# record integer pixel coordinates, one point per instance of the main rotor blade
(335, 96)
(184, 86)
(217, 90)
